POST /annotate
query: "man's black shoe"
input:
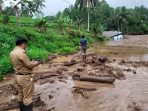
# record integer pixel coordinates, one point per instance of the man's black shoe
(28, 107)
(21, 106)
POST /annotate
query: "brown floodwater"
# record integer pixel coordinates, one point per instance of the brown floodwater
(130, 94)
(123, 95)
(134, 53)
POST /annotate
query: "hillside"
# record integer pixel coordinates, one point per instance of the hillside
(40, 45)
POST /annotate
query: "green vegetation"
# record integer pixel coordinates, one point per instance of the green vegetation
(128, 21)
(40, 45)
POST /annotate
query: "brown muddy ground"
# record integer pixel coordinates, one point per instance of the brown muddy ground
(127, 61)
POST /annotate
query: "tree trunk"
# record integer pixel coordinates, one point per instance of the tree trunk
(0, 8)
(88, 28)
(17, 18)
(97, 79)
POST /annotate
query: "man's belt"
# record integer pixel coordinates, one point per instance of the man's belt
(22, 74)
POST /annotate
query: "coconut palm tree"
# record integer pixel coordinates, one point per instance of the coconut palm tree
(122, 16)
(27, 6)
(89, 4)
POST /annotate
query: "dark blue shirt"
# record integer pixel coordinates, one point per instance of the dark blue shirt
(83, 43)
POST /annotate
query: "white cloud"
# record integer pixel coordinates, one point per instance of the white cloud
(53, 6)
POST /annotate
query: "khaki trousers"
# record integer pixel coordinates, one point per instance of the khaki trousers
(25, 88)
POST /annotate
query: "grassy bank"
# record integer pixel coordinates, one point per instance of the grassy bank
(40, 45)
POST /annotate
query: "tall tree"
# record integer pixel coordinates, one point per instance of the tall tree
(26, 7)
(89, 4)
(1, 3)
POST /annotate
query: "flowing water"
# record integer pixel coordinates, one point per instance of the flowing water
(124, 95)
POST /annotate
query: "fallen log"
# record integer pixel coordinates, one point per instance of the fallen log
(97, 79)
(44, 76)
(94, 79)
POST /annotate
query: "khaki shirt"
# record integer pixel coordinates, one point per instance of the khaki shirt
(20, 61)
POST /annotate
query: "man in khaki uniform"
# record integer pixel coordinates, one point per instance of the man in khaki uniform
(23, 69)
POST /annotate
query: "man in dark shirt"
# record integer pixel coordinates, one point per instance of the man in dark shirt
(83, 44)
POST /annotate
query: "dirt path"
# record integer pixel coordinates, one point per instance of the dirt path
(124, 58)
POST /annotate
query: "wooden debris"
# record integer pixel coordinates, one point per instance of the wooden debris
(43, 76)
(82, 92)
(85, 88)
(97, 79)
(94, 79)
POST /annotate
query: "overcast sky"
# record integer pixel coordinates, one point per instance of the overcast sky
(53, 6)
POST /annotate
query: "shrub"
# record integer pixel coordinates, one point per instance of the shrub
(38, 54)
(6, 19)
(66, 50)
(5, 65)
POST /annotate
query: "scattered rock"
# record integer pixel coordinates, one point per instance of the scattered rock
(128, 70)
(47, 81)
(134, 71)
(122, 62)
(80, 69)
(13, 88)
(51, 57)
(62, 80)
(37, 101)
(84, 65)
(102, 59)
(76, 77)
(116, 72)
(15, 100)
(59, 71)
(50, 96)
(114, 60)
(91, 73)
(134, 107)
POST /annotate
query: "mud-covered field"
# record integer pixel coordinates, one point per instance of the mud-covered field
(119, 69)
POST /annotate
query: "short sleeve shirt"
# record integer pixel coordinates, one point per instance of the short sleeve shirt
(83, 43)
(20, 61)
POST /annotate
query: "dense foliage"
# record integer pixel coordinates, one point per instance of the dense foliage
(102, 16)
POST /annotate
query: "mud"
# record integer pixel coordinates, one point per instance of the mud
(126, 60)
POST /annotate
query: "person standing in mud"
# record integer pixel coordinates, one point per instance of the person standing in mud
(23, 69)
(83, 44)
